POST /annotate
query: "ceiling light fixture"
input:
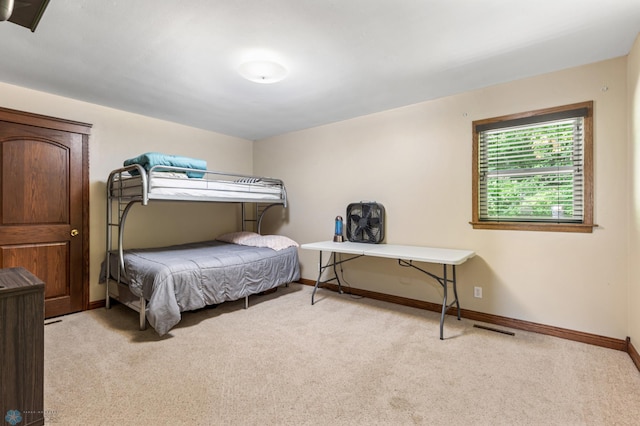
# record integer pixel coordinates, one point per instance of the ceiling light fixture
(264, 72)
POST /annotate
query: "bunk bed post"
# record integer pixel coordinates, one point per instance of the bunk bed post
(115, 195)
(143, 314)
(107, 301)
(256, 216)
(244, 217)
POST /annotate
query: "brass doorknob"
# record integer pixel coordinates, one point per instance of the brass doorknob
(74, 232)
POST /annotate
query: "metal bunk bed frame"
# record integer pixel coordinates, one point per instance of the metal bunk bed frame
(119, 205)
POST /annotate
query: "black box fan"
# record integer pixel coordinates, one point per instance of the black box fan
(365, 222)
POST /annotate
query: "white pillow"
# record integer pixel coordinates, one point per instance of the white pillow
(275, 242)
(237, 237)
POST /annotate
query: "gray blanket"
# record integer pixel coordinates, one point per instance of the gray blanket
(191, 276)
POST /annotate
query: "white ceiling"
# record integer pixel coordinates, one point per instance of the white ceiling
(177, 60)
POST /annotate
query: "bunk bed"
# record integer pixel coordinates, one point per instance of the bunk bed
(160, 283)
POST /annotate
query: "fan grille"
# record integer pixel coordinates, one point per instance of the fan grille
(365, 222)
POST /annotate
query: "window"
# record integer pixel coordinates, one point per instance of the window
(533, 171)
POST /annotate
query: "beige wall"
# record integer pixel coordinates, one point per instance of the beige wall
(634, 204)
(416, 160)
(118, 135)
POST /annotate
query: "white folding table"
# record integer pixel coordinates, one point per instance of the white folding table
(405, 255)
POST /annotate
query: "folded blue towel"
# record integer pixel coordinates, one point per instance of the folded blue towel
(151, 159)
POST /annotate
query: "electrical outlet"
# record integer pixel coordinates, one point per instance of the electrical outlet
(477, 292)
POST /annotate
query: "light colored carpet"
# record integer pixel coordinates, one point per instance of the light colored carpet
(343, 361)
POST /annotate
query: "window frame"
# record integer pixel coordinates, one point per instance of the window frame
(587, 225)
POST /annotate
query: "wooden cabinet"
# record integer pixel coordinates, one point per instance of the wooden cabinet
(21, 347)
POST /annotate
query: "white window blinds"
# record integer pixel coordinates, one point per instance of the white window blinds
(531, 169)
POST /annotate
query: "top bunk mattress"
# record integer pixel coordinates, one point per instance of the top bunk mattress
(213, 186)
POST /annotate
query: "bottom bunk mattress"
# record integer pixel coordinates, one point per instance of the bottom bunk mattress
(191, 276)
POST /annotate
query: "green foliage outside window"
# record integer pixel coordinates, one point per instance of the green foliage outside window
(533, 170)
(529, 172)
